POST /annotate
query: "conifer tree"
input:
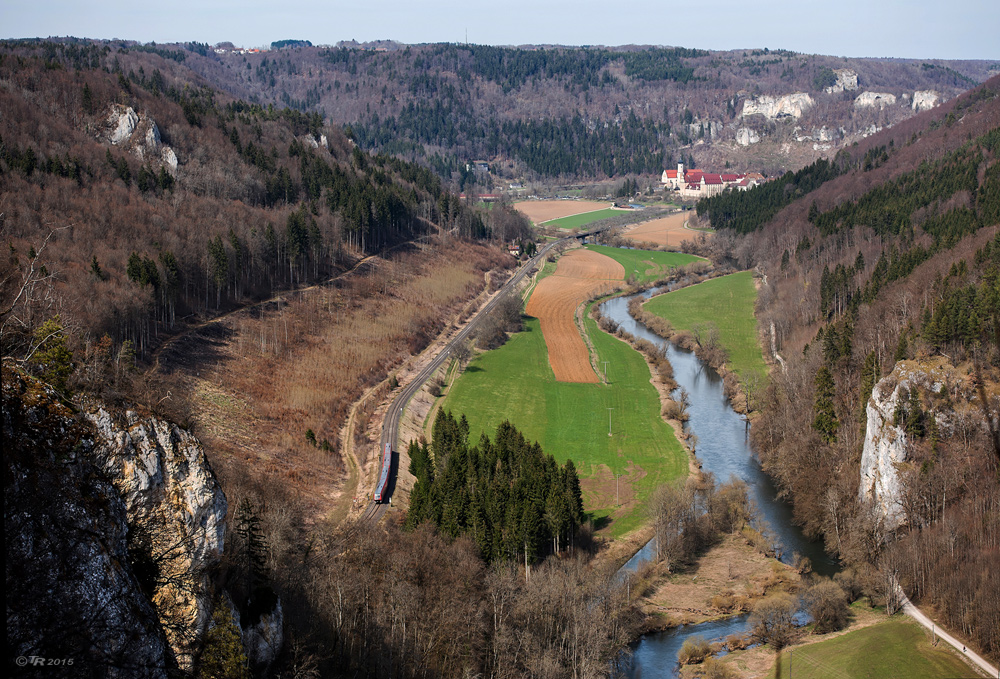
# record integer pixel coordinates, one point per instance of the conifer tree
(825, 421)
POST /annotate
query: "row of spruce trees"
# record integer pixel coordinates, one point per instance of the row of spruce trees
(509, 497)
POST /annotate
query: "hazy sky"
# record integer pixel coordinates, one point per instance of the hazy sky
(859, 28)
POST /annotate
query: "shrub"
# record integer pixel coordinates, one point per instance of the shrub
(772, 620)
(827, 604)
(694, 651)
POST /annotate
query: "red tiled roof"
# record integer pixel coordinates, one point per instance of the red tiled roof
(713, 179)
(730, 177)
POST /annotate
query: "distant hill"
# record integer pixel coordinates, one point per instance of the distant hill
(544, 112)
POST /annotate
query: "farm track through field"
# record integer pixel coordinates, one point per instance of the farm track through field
(579, 275)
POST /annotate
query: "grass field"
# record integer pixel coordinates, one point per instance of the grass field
(647, 265)
(515, 382)
(728, 303)
(896, 648)
(576, 221)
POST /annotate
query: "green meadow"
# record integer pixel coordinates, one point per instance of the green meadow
(646, 265)
(898, 647)
(576, 221)
(515, 382)
(727, 302)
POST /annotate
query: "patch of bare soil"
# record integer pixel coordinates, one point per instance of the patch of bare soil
(667, 231)
(539, 211)
(579, 275)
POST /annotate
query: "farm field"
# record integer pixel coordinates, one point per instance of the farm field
(576, 221)
(570, 420)
(647, 265)
(728, 302)
(539, 211)
(577, 276)
(898, 647)
(668, 231)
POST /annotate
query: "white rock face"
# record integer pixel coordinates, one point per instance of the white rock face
(821, 134)
(885, 448)
(745, 136)
(773, 108)
(123, 119)
(847, 80)
(169, 158)
(870, 130)
(152, 135)
(874, 100)
(924, 100)
(170, 491)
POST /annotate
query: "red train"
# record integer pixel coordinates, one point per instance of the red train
(380, 493)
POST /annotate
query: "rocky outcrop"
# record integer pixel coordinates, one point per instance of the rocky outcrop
(924, 100)
(137, 133)
(884, 454)
(746, 136)
(821, 134)
(73, 595)
(262, 642)
(177, 508)
(847, 81)
(775, 108)
(874, 100)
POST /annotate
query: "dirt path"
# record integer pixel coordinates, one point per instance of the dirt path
(579, 274)
(540, 211)
(669, 231)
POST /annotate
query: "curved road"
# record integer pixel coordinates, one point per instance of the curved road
(390, 428)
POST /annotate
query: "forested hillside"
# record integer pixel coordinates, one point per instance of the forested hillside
(592, 112)
(881, 289)
(135, 196)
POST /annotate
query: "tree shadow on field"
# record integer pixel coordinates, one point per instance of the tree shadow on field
(474, 369)
(602, 522)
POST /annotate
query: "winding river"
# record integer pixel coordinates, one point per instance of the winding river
(724, 449)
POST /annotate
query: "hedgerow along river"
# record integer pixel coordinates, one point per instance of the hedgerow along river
(723, 449)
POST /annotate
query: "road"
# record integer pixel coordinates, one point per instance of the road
(390, 427)
(973, 658)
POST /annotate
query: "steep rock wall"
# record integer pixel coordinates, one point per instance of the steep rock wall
(72, 594)
(177, 505)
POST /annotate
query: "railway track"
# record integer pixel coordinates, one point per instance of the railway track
(374, 511)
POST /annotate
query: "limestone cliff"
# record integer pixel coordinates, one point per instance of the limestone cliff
(775, 108)
(137, 133)
(847, 81)
(72, 596)
(114, 522)
(874, 100)
(886, 443)
(175, 501)
(925, 99)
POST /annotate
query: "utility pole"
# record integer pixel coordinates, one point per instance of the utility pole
(609, 421)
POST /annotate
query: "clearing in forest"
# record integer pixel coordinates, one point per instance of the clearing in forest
(539, 211)
(668, 231)
(578, 276)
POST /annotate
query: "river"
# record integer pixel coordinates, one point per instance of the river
(723, 449)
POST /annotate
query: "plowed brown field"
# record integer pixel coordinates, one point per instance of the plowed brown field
(540, 211)
(666, 231)
(578, 276)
